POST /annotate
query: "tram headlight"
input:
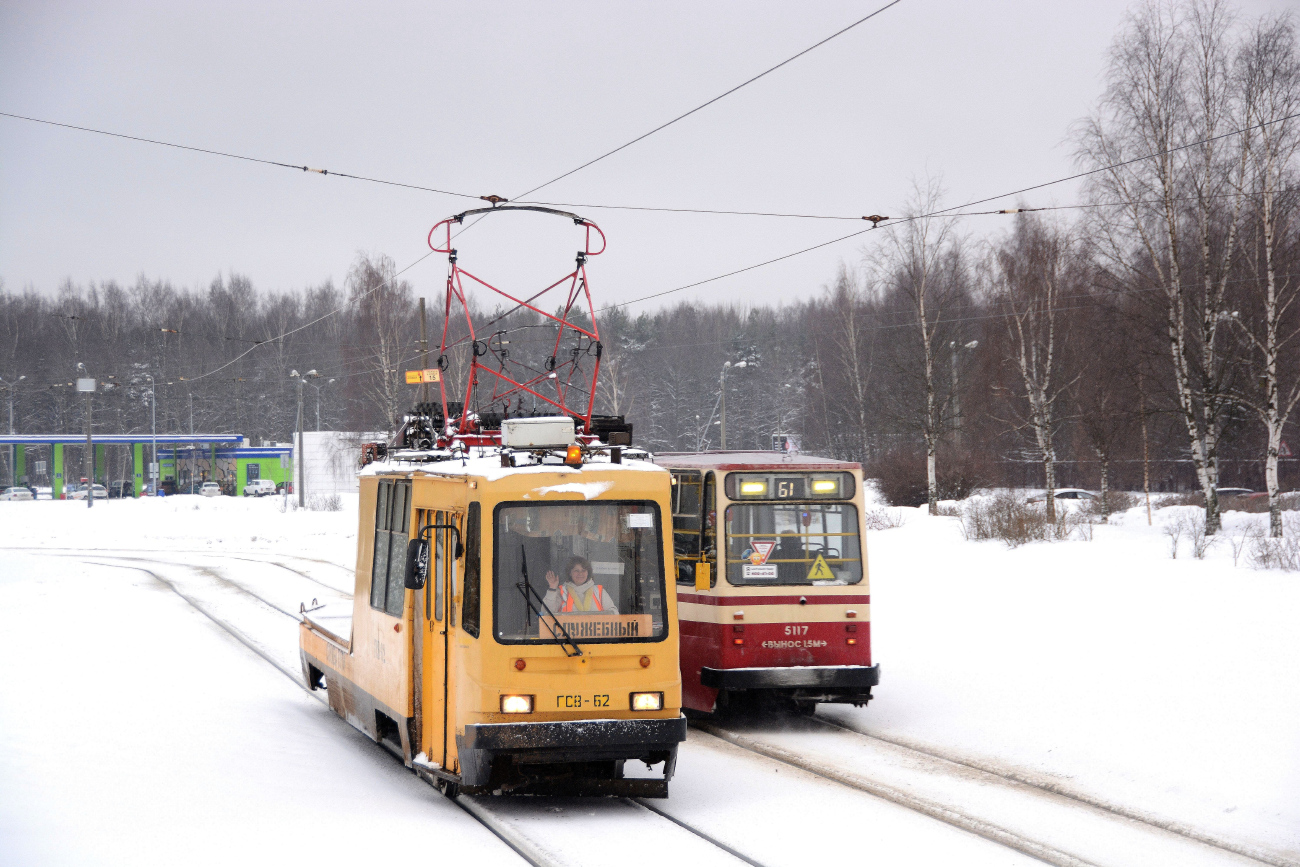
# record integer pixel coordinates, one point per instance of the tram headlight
(647, 701)
(516, 704)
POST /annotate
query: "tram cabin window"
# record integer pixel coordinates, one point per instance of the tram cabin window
(590, 570)
(793, 544)
(392, 532)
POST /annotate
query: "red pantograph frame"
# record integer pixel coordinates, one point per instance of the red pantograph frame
(578, 286)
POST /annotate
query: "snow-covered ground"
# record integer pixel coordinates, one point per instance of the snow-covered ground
(1166, 687)
(134, 731)
(186, 521)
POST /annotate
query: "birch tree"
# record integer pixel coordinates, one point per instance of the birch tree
(923, 266)
(1031, 268)
(1270, 78)
(1174, 210)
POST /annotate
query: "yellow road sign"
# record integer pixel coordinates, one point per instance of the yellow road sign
(820, 571)
(415, 377)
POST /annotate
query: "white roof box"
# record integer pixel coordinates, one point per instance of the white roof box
(546, 432)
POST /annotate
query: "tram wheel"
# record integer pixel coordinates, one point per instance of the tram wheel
(805, 708)
(448, 788)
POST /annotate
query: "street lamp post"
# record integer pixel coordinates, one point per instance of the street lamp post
(956, 394)
(318, 388)
(87, 385)
(13, 449)
(193, 456)
(301, 461)
(154, 474)
(726, 365)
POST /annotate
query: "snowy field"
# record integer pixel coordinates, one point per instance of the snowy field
(133, 730)
(1168, 687)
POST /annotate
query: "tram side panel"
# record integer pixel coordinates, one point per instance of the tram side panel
(368, 674)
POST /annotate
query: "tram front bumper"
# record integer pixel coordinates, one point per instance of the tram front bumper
(817, 682)
(576, 742)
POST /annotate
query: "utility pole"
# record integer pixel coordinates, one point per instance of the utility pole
(193, 455)
(13, 449)
(302, 457)
(424, 355)
(302, 497)
(726, 365)
(956, 392)
(722, 384)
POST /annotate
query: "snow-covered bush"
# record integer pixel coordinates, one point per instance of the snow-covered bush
(325, 503)
(1006, 517)
(1284, 553)
(883, 519)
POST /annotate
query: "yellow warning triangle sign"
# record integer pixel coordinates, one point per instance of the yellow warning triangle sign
(820, 571)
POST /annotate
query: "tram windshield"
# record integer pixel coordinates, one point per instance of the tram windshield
(585, 572)
(793, 543)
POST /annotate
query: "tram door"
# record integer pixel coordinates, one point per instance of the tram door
(434, 616)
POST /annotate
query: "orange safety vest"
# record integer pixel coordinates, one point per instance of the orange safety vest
(568, 600)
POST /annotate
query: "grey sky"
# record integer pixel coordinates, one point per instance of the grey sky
(498, 98)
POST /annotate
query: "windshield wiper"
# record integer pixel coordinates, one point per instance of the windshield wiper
(563, 639)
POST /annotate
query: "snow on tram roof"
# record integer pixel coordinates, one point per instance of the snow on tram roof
(485, 463)
(755, 460)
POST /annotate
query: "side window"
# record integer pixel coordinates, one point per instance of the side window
(392, 530)
(710, 506)
(687, 522)
(473, 580)
(379, 567)
(399, 525)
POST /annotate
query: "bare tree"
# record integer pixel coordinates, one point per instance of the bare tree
(924, 266)
(385, 324)
(1031, 269)
(1174, 217)
(1270, 78)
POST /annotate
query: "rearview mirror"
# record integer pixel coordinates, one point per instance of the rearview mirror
(417, 564)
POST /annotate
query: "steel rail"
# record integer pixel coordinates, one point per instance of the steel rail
(1055, 788)
(955, 816)
(519, 843)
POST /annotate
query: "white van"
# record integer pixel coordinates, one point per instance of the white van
(259, 488)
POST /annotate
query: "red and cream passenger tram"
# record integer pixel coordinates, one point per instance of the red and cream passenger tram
(773, 597)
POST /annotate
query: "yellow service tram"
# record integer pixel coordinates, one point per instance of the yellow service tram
(472, 650)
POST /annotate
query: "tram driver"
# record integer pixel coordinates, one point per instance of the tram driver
(578, 595)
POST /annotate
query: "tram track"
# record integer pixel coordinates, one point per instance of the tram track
(968, 816)
(1051, 786)
(997, 807)
(534, 852)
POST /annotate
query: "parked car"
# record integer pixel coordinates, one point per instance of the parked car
(1235, 492)
(16, 494)
(100, 492)
(118, 490)
(210, 489)
(259, 488)
(1075, 494)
